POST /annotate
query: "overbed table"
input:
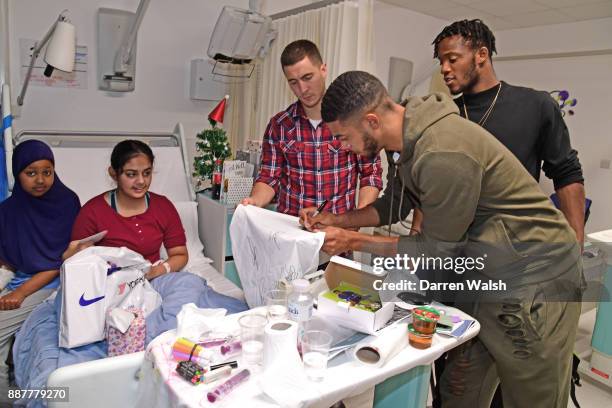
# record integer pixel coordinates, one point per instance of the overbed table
(402, 381)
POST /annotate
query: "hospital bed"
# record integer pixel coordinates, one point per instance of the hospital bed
(81, 162)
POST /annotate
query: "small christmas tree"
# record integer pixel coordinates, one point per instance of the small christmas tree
(211, 145)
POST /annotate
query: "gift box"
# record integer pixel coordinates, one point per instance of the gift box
(132, 341)
(352, 300)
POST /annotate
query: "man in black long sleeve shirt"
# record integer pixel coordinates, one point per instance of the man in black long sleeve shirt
(528, 122)
(530, 125)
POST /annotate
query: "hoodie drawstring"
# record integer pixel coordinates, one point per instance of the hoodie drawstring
(399, 210)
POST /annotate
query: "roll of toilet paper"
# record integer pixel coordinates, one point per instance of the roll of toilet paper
(283, 378)
(377, 351)
(280, 345)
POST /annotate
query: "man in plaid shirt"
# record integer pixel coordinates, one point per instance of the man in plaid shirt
(301, 161)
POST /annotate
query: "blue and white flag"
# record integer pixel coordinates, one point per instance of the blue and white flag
(6, 136)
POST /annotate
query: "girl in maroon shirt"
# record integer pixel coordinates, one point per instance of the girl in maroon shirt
(132, 216)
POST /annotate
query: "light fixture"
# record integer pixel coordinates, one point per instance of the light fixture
(60, 53)
(239, 37)
(117, 38)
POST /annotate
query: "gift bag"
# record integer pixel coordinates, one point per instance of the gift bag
(129, 341)
(128, 288)
(98, 279)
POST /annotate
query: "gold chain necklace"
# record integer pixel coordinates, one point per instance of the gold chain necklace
(486, 115)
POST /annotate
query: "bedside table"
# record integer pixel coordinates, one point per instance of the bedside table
(214, 218)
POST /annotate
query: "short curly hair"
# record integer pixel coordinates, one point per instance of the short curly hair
(474, 32)
(350, 93)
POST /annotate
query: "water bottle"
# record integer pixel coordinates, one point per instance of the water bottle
(300, 305)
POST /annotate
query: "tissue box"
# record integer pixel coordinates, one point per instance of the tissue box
(344, 273)
(132, 341)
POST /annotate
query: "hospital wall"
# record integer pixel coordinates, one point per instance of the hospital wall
(403, 33)
(399, 32)
(171, 35)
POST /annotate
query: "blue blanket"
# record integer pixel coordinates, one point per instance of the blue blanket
(36, 352)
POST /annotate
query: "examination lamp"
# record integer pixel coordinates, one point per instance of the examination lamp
(59, 54)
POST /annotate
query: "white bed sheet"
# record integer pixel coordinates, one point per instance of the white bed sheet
(216, 281)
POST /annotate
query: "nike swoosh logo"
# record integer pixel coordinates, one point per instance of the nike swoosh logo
(87, 302)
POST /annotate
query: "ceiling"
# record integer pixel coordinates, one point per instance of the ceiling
(509, 14)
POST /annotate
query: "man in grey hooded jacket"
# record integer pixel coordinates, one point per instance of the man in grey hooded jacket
(478, 202)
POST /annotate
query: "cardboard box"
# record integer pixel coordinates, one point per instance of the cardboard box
(341, 270)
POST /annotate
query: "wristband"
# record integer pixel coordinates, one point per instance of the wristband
(167, 267)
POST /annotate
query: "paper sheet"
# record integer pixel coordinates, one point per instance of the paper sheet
(269, 246)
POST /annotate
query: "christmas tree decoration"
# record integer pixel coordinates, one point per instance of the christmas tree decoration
(211, 144)
(217, 114)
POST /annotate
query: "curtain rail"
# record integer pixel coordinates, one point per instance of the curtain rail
(297, 10)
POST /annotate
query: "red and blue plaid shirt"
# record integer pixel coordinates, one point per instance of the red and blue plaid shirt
(306, 166)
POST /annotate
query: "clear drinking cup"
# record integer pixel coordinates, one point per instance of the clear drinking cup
(315, 350)
(252, 337)
(276, 302)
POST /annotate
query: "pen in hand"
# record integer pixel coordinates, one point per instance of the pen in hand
(319, 209)
(316, 212)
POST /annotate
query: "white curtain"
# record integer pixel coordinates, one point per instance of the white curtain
(344, 34)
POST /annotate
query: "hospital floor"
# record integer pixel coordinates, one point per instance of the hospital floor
(591, 394)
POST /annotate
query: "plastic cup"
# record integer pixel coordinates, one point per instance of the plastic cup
(276, 302)
(419, 340)
(252, 337)
(315, 350)
(425, 319)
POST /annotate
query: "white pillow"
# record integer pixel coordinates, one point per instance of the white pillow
(188, 211)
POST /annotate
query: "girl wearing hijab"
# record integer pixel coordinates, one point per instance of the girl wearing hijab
(35, 226)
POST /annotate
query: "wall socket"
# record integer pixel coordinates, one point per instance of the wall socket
(604, 164)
